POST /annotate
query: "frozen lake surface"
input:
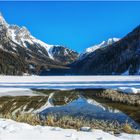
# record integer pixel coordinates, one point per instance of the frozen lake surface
(70, 82)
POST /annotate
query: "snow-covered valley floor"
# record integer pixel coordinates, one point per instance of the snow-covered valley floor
(11, 130)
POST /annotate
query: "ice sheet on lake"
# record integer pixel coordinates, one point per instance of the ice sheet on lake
(131, 83)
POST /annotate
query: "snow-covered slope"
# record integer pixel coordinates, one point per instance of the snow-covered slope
(37, 54)
(121, 57)
(11, 130)
(102, 44)
(22, 37)
(2, 21)
(98, 46)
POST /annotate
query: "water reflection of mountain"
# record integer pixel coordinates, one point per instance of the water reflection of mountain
(88, 109)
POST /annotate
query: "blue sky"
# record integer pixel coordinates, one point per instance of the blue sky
(76, 25)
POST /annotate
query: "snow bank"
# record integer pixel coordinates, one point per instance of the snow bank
(16, 92)
(129, 90)
(3, 90)
(11, 130)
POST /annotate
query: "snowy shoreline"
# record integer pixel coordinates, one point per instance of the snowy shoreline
(11, 130)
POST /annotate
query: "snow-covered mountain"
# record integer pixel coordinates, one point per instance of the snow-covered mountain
(20, 53)
(102, 44)
(19, 42)
(98, 46)
(22, 37)
(118, 58)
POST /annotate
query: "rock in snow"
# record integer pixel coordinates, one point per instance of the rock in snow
(86, 129)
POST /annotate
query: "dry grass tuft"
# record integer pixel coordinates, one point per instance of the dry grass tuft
(71, 122)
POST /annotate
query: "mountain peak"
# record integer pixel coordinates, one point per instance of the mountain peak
(110, 40)
(2, 20)
(102, 44)
(98, 46)
(31, 53)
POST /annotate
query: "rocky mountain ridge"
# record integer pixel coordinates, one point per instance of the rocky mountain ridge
(36, 55)
(21, 53)
(120, 58)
